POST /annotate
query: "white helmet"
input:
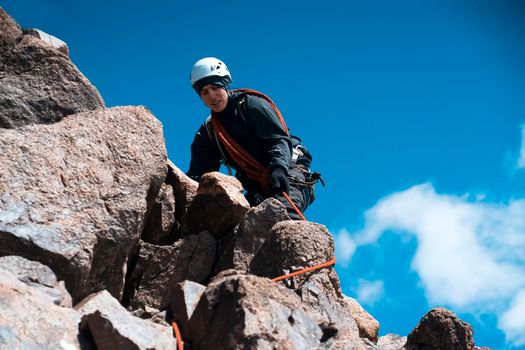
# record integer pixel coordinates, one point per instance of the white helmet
(209, 70)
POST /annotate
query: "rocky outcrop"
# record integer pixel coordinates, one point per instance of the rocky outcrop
(112, 327)
(75, 194)
(441, 329)
(160, 268)
(39, 84)
(218, 206)
(239, 311)
(87, 195)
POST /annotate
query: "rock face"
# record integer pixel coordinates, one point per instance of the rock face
(160, 223)
(220, 202)
(39, 84)
(248, 312)
(30, 319)
(160, 268)
(112, 327)
(441, 329)
(74, 195)
(251, 233)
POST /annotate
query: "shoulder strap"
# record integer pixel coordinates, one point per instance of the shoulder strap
(213, 136)
(263, 96)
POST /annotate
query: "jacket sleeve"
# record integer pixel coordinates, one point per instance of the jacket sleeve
(204, 155)
(270, 131)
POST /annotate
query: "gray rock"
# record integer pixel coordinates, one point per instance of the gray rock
(28, 271)
(251, 233)
(184, 190)
(249, 312)
(48, 39)
(74, 195)
(441, 329)
(160, 268)
(218, 206)
(39, 84)
(161, 219)
(391, 342)
(39, 276)
(184, 299)
(31, 320)
(112, 327)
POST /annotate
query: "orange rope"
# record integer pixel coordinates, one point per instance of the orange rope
(300, 272)
(260, 94)
(177, 335)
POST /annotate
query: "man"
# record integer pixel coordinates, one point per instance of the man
(247, 133)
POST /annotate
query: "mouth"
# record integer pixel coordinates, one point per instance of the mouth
(216, 103)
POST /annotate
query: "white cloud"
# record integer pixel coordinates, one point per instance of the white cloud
(521, 159)
(513, 321)
(369, 292)
(470, 254)
(344, 247)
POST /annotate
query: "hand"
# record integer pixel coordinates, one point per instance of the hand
(279, 180)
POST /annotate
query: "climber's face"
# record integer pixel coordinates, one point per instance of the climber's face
(215, 97)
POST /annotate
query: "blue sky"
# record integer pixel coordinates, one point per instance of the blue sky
(413, 110)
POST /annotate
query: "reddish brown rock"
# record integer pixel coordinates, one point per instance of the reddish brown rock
(39, 82)
(218, 206)
(249, 312)
(368, 326)
(74, 195)
(184, 190)
(297, 245)
(30, 319)
(161, 220)
(112, 327)
(251, 233)
(160, 268)
(441, 329)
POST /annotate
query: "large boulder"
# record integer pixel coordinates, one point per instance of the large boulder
(297, 245)
(113, 328)
(240, 311)
(30, 319)
(160, 268)
(39, 82)
(439, 329)
(74, 195)
(218, 206)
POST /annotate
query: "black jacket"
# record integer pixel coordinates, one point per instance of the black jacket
(254, 125)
